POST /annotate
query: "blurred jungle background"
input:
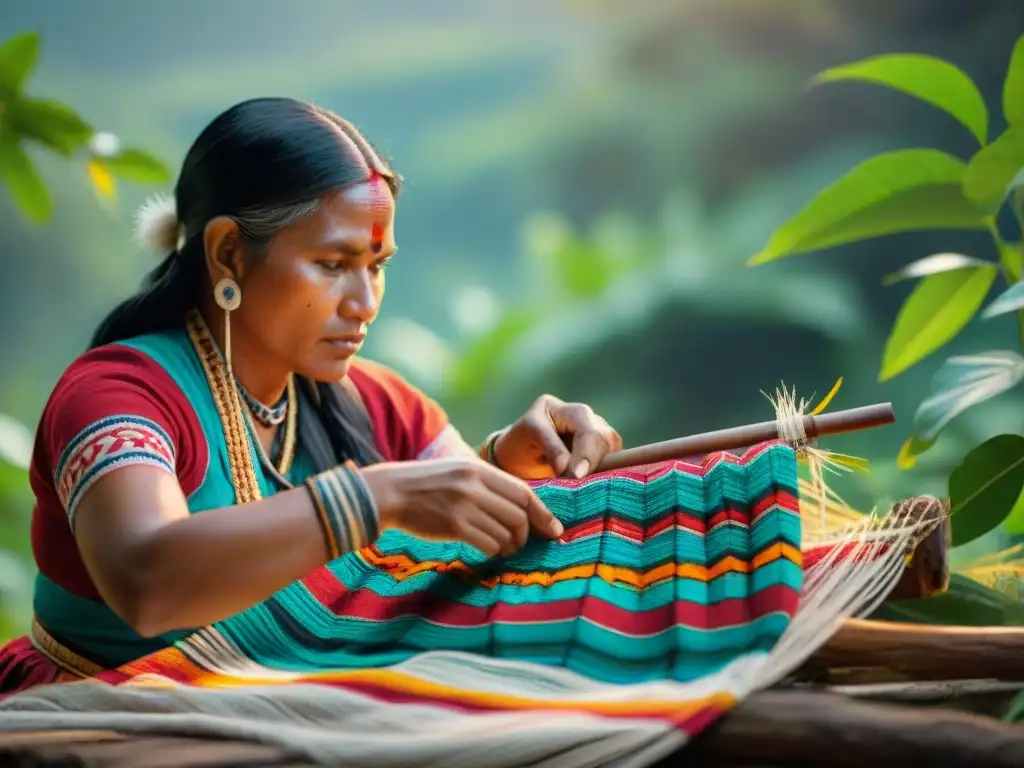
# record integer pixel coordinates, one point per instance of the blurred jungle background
(585, 184)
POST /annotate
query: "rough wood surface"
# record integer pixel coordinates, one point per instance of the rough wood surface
(110, 749)
(982, 697)
(771, 728)
(922, 652)
(798, 728)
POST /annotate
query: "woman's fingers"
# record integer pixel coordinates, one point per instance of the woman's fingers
(510, 517)
(522, 496)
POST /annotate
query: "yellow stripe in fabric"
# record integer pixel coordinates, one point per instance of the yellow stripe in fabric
(396, 681)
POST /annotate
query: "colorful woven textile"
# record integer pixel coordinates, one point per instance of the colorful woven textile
(652, 617)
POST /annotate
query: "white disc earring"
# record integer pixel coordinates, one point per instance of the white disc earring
(227, 294)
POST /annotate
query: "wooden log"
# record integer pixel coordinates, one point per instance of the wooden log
(927, 573)
(50, 749)
(923, 652)
(807, 729)
(982, 697)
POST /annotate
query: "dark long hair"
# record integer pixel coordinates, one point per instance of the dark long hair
(266, 163)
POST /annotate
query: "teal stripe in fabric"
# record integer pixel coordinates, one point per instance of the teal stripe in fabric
(370, 610)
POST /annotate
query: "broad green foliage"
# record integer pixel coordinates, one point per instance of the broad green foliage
(1011, 300)
(960, 383)
(932, 80)
(23, 180)
(917, 189)
(936, 311)
(902, 191)
(966, 603)
(49, 124)
(933, 265)
(985, 487)
(17, 59)
(993, 172)
(1013, 88)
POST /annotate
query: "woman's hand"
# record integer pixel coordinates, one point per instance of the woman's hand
(554, 438)
(459, 499)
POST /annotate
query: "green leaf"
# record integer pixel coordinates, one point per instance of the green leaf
(927, 78)
(933, 265)
(136, 165)
(480, 365)
(23, 181)
(49, 122)
(1012, 259)
(903, 191)
(1014, 522)
(1008, 301)
(985, 487)
(994, 170)
(1015, 711)
(936, 311)
(583, 271)
(17, 59)
(1013, 86)
(15, 442)
(964, 603)
(961, 383)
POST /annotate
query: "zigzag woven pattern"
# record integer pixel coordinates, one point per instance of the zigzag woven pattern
(650, 619)
(666, 572)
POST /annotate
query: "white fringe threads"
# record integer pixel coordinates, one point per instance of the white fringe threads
(867, 553)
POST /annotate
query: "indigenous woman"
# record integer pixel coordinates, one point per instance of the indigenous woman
(221, 439)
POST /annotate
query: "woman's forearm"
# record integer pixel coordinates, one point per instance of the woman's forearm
(207, 566)
(214, 564)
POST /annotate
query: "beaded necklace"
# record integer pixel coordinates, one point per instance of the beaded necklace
(233, 417)
(266, 415)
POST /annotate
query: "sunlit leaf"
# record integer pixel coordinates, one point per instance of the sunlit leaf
(103, 182)
(902, 191)
(50, 122)
(910, 450)
(927, 78)
(961, 383)
(936, 311)
(15, 442)
(1012, 259)
(136, 165)
(994, 170)
(481, 364)
(17, 59)
(583, 271)
(985, 487)
(1013, 86)
(1014, 522)
(820, 407)
(23, 182)
(933, 265)
(1010, 300)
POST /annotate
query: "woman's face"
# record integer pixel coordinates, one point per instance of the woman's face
(308, 303)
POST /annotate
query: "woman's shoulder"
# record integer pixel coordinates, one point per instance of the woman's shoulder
(115, 405)
(409, 423)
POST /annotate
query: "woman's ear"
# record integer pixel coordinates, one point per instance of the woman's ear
(225, 256)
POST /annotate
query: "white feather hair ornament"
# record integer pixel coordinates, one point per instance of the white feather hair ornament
(157, 227)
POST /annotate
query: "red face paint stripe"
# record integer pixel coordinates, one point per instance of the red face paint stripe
(376, 236)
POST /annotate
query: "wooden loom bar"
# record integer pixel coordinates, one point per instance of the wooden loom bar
(923, 651)
(852, 420)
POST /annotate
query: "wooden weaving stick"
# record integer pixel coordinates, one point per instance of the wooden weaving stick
(838, 422)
